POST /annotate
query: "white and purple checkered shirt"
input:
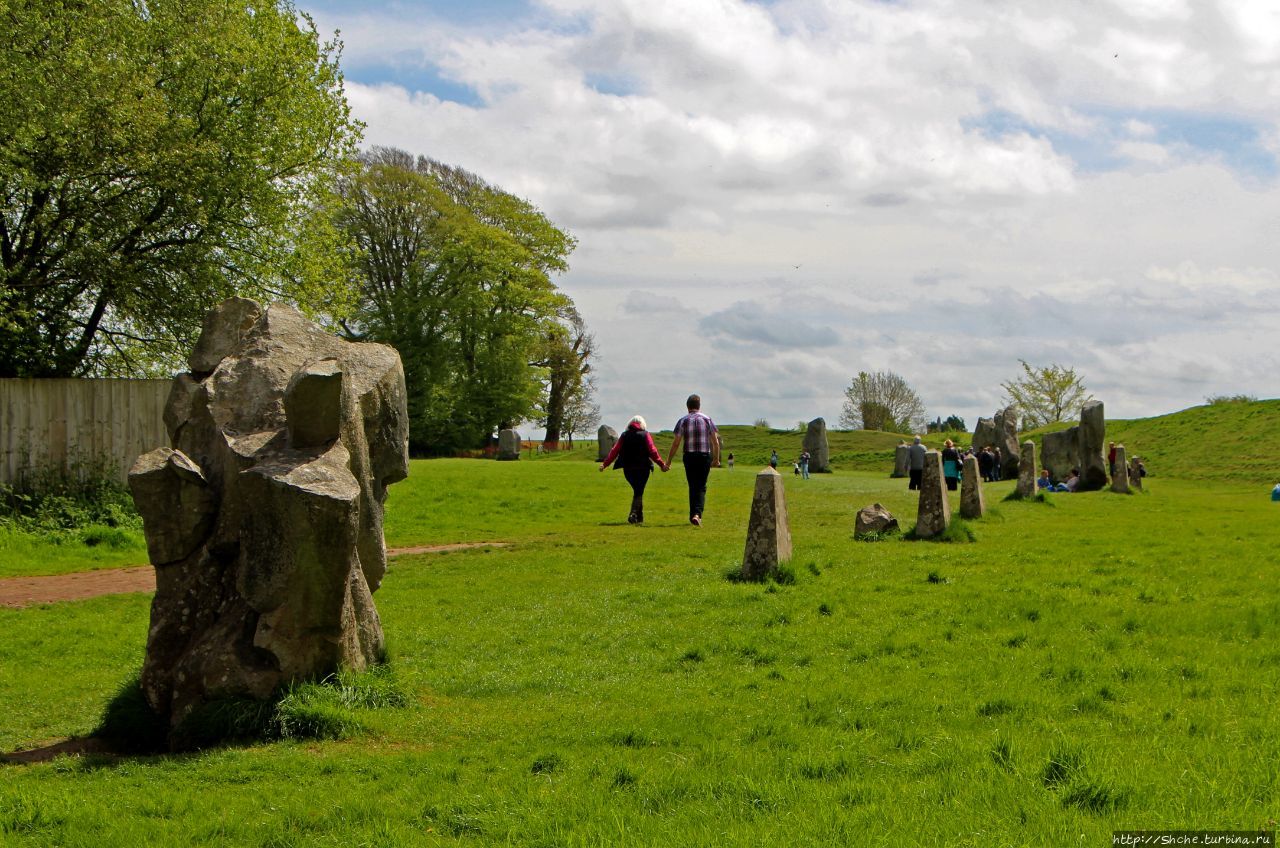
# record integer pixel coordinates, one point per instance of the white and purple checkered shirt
(697, 430)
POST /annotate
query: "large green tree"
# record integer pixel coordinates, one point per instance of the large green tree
(881, 400)
(155, 157)
(456, 275)
(1046, 394)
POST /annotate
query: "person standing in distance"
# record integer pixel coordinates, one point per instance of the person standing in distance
(701, 442)
(915, 455)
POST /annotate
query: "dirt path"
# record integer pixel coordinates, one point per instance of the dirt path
(17, 592)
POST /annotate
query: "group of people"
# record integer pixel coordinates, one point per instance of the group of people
(800, 467)
(953, 458)
(636, 454)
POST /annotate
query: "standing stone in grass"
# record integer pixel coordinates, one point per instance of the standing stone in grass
(984, 433)
(1027, 472)
(815, 442)
(1060, 452)
(1093, 439)
(901, 460)
(1135, 473)
(933, 515)
(264, 518)
(508, 445)
(874, 519)
(606, 437)
(1120, 482)
(972, 503)
(768, 531)
(1006, 424)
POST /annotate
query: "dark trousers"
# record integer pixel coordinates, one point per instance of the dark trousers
(638, 478)
(697, 468)
(916, 475)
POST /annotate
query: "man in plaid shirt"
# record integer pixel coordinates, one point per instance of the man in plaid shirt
(701, 453)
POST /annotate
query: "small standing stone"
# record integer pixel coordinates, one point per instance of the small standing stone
(508, 445)
(901, 461)
(768, 532)
(1120, 482)
(605, 437)
(815, 442)
(933, 515)
(1135, 474)
(972, 503)
(1027, 470)
(874, 519)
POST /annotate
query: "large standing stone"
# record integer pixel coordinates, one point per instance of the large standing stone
(264, 519)
(1027, 472)
(606, 437)
(815, 442)
(901, 460)
(508, 445)
(972, 502)
(874, 519)
(933, 515)
(1120, 482)
(1135, 473)
(1093, 439)
(1006, 424)
(768, 531)
(984, 434)
(1060, 452)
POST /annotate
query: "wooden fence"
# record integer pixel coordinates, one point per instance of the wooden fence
(75, 424)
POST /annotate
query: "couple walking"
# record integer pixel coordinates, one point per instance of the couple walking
(636, 454)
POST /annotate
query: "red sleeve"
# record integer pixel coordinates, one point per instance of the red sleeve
(613, 453)
(653, 449)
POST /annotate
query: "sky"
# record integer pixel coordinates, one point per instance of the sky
(770, 197)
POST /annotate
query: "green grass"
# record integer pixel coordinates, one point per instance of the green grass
(1107, 663)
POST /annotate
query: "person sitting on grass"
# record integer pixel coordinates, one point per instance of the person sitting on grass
(1043, 481)
(1073, 480)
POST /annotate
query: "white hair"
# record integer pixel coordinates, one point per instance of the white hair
(639, 420)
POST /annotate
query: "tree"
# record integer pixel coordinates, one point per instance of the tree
(582, 413)
(156, 157)
(1046, 395)
(568, 351)
(881, 401)
(455, 274)
(952, 424)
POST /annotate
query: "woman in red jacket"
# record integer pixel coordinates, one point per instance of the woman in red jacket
(635, 454)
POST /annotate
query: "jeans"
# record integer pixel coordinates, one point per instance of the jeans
(697, 468)
(804, 470)
(638, 478)
(917, 475)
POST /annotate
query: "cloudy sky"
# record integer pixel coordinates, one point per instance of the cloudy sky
(772, 196)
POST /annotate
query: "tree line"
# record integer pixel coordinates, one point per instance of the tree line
(157, 157)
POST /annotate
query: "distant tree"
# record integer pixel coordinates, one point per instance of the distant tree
(155, 158)
(582, 413)
(1047, 394)
(566, 355)
(761, 423)
(881, 401)
(952, 424)
(1218, 400)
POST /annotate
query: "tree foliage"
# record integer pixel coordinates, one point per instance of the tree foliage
(456, 275)
(881, 400)
(154, 158)
(567, 357)
(951, 424)
(1045, 395)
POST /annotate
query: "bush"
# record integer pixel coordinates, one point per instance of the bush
(52, 500)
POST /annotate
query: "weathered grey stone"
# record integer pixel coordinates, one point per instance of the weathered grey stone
(1092, 440)
(901, 460)
(1120, 482)
(224, 326)
(933, 514)
(984, 433)
(1135, 473)
(508, 445)
(972, 502)
(606, 437)
(265, 525)
(1006, 425)
(874, 519)
(1027, 471)
(1060, 452)
(815, 442)
(768, 530)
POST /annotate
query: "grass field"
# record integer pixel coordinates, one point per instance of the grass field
(1091, 663)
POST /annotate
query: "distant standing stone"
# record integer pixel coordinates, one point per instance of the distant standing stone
(874, 519)
(1060, 452)
(605, 437)
(768, 531)
(815, 442)
(1120, 482)
(901, 460)
(1027, 472)
(972, 503)
(984, 433)
(933, 515)
(508, 445)
(1135, 474)
(1092, 438)
(1006, 423)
